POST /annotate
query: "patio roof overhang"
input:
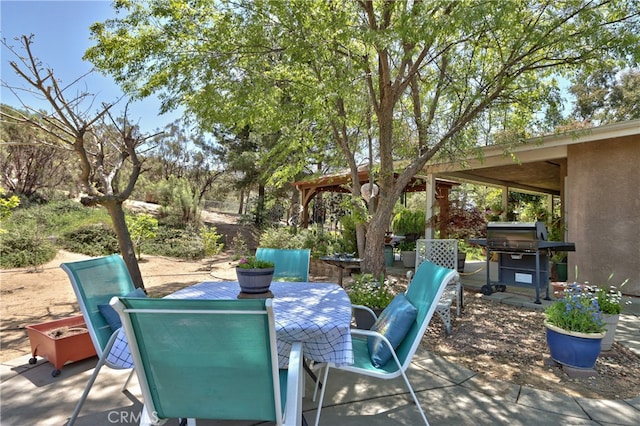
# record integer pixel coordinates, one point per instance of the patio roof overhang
(537, 166)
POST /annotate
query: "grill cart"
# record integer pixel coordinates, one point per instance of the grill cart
(523, 255)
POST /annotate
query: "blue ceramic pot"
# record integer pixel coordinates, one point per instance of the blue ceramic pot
(577, 350)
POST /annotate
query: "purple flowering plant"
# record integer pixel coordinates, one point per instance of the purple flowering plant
(577, 311)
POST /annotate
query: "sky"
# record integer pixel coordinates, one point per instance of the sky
(61, 30)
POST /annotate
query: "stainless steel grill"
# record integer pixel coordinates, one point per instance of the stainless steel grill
(523, 255)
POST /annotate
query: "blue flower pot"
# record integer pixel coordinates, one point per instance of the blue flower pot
(577, 350)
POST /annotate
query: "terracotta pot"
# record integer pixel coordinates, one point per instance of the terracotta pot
(72, 342)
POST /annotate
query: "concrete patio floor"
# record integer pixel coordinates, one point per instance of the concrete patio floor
(450, 394)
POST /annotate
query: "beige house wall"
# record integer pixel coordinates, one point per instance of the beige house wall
(602, 192)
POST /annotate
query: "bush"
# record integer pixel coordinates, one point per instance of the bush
(25, 247)
(92, 240)
(179, 243)
(211, 241)
(281, 237)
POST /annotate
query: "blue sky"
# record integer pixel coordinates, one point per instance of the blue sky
(61, 30)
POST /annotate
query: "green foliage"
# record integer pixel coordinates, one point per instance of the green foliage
(609, 300)
(7, 204)
(142, 227)
(239, 247)
(405, 245)
(251, 262)
(349, 238)
(367, 291)
(406, 222)
(319, 241)
(173, 242)
(211, 241)
(92, 240)
(283, 237)
(179, 203)
(25, 246)
(577, 311)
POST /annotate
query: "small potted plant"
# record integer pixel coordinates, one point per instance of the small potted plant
(407, 253)
(374, 294)
(254, 275)
(574, 328)
(610, 302)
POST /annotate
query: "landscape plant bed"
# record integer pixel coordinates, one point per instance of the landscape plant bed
(60, 341)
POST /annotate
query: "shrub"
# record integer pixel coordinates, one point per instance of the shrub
(281, 237)
(25, 247)
(92, 240)
(211, 241)
(179, 243)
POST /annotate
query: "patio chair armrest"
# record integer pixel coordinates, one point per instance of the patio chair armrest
(293, 409)
(365, 308)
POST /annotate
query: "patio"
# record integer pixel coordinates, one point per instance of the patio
(450, 394)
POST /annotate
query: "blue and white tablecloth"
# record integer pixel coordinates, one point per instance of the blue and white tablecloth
(316, 314)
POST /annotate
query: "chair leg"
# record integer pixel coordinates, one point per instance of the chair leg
(126, 383)
(311, 374)
(324, 380)
(87, 388)
(415, 399)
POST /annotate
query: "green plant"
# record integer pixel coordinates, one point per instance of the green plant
(405, 245)
(609, 300)
(367, 291)
(577, 311)
(251, 262)
(406, 222)
(211, 241)
(93, 240)
(25, 246)
(142, 227)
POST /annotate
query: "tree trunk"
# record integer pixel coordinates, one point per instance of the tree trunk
(124, 241)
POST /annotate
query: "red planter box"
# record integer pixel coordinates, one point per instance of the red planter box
(60, 341)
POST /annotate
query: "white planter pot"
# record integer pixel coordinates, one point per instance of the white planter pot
(408, 258)
(610, 323)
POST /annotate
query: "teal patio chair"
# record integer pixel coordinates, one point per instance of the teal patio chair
(210, 359)
(423, 293)
(95, 282)
(290, 264)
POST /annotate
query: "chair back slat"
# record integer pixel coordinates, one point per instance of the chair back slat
(290, 264)
(95, 282)
(423, 292)
(209, 359)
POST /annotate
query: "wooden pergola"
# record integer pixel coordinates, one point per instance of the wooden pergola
(341, 183)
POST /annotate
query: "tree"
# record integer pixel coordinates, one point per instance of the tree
(607, 95)
(28, 165)
(101, 144)
(435, 75)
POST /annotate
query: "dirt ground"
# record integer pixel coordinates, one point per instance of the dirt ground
(512, 351)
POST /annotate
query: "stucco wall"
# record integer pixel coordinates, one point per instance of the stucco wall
(603, 211)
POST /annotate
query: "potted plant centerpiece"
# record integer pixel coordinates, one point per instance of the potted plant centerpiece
(574, 328)
(254, 276)
(374, 294)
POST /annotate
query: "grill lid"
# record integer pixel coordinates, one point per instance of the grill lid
(516, 235)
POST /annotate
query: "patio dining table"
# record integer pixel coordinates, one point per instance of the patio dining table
(316, 314)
